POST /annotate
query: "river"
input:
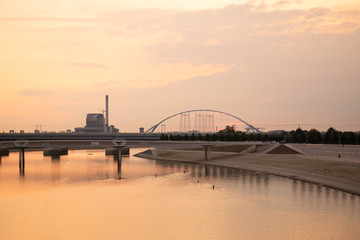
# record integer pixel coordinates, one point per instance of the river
(80, 196)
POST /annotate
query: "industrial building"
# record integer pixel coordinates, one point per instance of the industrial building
(96, 122)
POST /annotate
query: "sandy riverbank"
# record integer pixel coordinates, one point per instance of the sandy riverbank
(322, 166)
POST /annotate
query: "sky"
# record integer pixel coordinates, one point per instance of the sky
(274, 64)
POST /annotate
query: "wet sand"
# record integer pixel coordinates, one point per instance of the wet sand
(318, 164)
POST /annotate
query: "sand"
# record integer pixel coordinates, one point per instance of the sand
(318, 164)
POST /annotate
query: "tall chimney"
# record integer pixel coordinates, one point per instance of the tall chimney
(107, 113)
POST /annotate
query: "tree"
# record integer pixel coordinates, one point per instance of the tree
(265, 137)
(213, 137)
(348, 138)
(236, 136)
(186, 137)
(289, 138)
(242, 136)
(221, 136)
(228, 129)
(257, 137)
(331, 136)
(207, 137)
(299, 135)
(314, 136)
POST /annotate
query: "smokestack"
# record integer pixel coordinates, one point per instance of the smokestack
(107, 113)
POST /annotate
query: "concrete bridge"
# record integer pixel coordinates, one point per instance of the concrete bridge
(77, 136)
(114, 147)
(57, 148)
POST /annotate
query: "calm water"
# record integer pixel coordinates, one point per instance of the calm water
(80, 197)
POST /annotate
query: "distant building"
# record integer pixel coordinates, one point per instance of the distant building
(141, 130)
(95, 122)
(113, 129)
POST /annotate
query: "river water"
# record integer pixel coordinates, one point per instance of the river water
(80, 196)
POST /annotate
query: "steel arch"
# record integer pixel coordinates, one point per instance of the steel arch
(251, 127)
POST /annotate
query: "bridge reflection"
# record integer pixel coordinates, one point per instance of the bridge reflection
(55, 167)
(118, 161)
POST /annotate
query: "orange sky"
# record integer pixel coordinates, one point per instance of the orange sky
(272, 63)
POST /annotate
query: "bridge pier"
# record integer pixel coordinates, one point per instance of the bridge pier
(119, 162)
(21, 145)
(118, 159)
(3, 152)
(207, 151)
(118, 150)
(55, 151)
(22, 162)
(115, 151)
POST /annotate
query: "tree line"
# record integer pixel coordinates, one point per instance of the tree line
(313, 136)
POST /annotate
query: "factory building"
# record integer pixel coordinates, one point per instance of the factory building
(96, 122)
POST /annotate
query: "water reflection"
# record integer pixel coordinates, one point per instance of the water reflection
(77, 197)
(323, 198)
(22, 162)
(55, 158)
(251, 181)
(55, 168)
(118, 161)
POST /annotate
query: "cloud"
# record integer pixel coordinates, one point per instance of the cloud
(49, 19)
(34, 93)
(281, 3)
(88, 65)
(244, 33)
(253, 60)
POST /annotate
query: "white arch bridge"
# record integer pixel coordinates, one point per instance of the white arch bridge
(204, 122)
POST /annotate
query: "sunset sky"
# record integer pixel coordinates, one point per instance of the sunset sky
(274, 64)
